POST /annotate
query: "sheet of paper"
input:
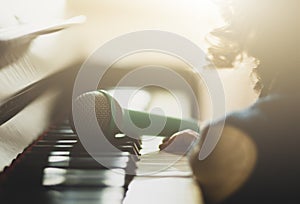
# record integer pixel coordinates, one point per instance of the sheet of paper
(15, 40)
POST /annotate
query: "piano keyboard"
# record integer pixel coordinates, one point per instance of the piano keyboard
(56, 169)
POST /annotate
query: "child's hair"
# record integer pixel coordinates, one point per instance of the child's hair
(268, 30)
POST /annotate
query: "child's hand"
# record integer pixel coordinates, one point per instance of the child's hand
(179, 143)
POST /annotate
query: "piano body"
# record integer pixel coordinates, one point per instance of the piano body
(42, 160)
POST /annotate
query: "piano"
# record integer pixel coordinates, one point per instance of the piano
(43, 161)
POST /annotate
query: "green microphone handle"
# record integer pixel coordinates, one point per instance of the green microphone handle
(137, 122)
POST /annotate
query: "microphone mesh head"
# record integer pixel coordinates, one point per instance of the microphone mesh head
(108, 111)
(103, 110)
(85, 104)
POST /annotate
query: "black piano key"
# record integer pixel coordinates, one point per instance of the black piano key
(59, 142)
(126, 139)
(79, 149)
(87, 163)
(84, 195)
(87, 154)
(48, 148)
(59, 153)
(58, 177)
(54, 137)
(68, 141)
(133, 144)
(128, 148)
(134, 158)
(64, 131)
(75, 154)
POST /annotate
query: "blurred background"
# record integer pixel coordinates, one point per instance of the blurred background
(107, 19)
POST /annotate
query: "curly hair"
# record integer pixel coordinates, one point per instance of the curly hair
(265, 29)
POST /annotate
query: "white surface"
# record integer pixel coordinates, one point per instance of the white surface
(155, 163)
